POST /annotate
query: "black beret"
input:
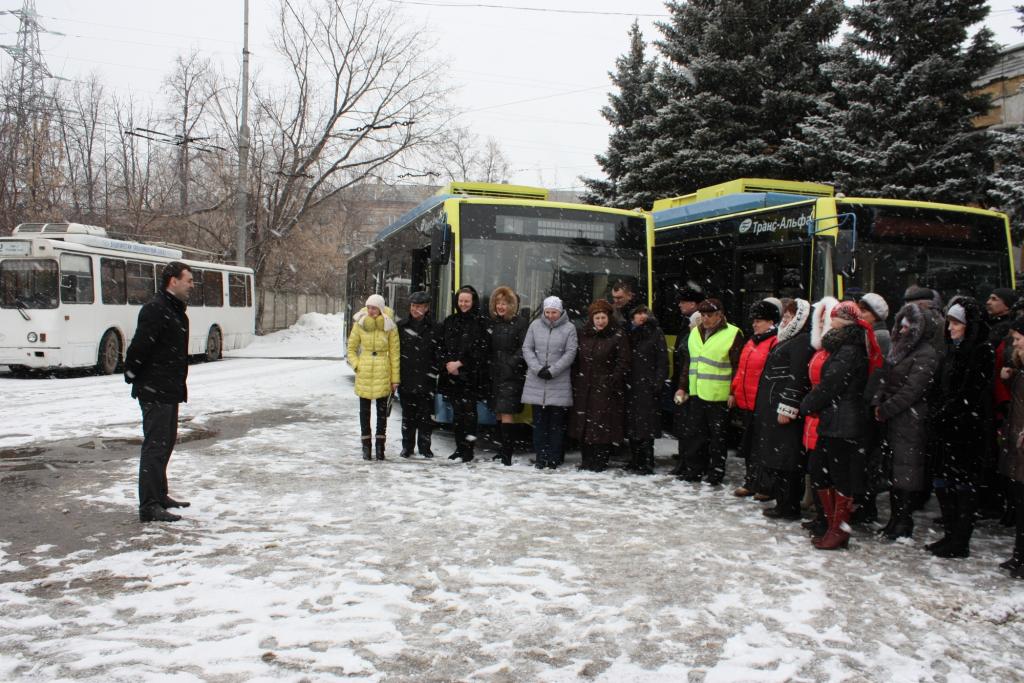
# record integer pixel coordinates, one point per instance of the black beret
(419, 298)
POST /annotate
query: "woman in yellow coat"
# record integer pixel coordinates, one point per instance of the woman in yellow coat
(373, 353)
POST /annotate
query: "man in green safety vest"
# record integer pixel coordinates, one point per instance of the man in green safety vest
(705, 383)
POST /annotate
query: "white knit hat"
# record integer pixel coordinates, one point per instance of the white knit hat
(553, 302)
(957, 313)
(876, 304)
(376, 300)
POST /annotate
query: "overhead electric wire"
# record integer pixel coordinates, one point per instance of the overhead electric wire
(520, 8)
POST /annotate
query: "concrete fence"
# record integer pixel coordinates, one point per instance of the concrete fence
(279, 310)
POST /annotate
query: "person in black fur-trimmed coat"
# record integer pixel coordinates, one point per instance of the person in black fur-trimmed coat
(900, 406)
(777, 443)
(508, 369)
(958, 423)
(464, 379)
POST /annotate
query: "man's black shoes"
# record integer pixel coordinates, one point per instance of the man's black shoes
(155, 513)
(168, 503)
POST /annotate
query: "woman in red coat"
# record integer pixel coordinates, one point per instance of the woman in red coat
(764, 320)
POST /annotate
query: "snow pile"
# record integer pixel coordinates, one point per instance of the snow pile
(315, 335)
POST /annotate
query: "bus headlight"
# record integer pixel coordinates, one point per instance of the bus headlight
(33, 337)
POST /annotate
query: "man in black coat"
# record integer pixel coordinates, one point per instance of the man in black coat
(156, 365)
(419, 338)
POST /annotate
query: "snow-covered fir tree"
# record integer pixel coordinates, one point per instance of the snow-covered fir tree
(629, 111)
(899, 122)
(1006, 186)
(739, 78)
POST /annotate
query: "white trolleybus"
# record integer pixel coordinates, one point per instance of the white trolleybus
(70, 298)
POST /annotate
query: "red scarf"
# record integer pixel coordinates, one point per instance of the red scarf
(874, 350)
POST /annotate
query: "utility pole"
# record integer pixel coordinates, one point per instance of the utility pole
(241, 194)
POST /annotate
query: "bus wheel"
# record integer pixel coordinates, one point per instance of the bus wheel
(20, 371)
(213, 345)
(109, 356)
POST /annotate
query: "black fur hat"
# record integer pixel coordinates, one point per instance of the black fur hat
(765, 310)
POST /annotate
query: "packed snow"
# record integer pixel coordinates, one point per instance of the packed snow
(298, 561)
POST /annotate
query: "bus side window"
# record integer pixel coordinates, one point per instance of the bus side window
(213, 288)
(141, 282)
(237, 289)
(198, 295)
(113, 283)
(76, 279)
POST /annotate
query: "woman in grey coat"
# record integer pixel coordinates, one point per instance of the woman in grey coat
(549, 350)
(900, 408)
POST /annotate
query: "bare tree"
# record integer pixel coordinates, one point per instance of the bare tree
(363, 92)
(189, 85)
(459, 156)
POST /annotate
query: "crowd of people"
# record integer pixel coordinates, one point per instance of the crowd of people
(827, 405)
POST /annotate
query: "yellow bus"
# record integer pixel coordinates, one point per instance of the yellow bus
(751, 238)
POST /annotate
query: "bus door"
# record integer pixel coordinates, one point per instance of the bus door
(769, 271)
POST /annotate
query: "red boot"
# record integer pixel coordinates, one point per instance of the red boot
(828, 504)
(838, 534)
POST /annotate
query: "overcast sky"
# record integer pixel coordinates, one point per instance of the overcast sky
(533, 80)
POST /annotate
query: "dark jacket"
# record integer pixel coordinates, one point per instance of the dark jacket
(960, 418)
(784, 383)
(466, 339)
(599, 386)
(901, 397)
(839, 399)
(156, 363)
(508, 369)
(648, 372)
(1011, 458)
(419, 341)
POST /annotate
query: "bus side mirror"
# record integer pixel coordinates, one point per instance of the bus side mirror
(846, 253)
(441, 242)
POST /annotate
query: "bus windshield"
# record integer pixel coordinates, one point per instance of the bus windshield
(573, 253)
(28, 283)
(950, 251)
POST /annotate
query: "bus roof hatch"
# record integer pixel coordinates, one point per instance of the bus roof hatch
(499, 190)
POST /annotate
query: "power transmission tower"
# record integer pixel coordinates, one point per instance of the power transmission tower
(27, 112)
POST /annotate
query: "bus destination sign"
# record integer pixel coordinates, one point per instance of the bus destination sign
(774, 226)
(15, 248)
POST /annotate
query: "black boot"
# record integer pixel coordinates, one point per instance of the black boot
(649, 458)
(506, 444)
(1016, 561)
(642, 454)
(423, 443)
(948, 509)
(901, 523)
(380, 446)
(788, 491)
(867, 511)
(586, 458)
(367, 448)
(408, 438)
(959, 544)
(155, 513)
(819, 525)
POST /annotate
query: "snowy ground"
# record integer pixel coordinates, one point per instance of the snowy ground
(298, 561)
